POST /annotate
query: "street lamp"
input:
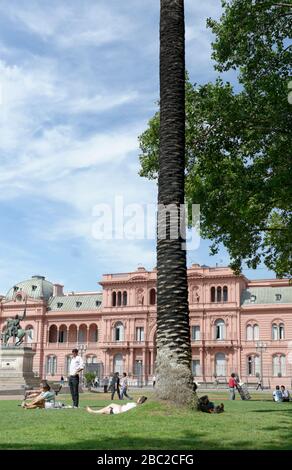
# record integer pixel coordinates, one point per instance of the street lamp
(261, 347)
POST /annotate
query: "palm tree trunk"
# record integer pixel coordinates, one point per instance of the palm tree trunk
(174, 379)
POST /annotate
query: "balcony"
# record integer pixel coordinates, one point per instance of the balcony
(221, 343)
(71, 345)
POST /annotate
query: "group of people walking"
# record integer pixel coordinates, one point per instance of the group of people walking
(119, 385)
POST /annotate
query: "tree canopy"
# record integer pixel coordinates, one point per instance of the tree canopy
(238, 143)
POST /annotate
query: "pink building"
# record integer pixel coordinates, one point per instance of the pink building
(236, 325)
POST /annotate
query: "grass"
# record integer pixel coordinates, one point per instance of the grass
(255, 424)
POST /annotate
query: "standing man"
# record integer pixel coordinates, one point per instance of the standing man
(76, 367)
(116, 385)
(232, 387)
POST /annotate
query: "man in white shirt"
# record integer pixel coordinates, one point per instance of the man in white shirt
(76, 366)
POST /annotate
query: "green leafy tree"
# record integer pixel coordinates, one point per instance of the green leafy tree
(173, 363)
(238, 144)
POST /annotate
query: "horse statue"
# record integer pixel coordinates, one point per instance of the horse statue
(20, 336)
(14, 330)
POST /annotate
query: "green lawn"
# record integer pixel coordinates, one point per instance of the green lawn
(255, 424)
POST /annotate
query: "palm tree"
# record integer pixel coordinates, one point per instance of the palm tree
(174, 379)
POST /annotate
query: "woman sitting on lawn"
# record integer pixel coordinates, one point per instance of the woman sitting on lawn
(44, 399)
(114, 409)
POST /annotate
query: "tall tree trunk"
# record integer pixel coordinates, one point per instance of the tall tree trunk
(174, 379)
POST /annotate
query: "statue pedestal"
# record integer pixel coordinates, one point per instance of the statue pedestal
(16, 369)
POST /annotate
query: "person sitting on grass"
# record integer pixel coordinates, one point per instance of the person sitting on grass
(277, 394)
(285, 393)
(34, 393)
(208, 406)
(45, 399)
(114, 409)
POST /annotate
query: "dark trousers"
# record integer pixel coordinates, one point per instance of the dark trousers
(105, 388)
(74, 388)
(118, 392)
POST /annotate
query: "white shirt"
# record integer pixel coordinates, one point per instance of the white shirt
(122, 408)
(76, 364)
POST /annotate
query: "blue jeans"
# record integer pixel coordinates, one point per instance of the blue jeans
(231, 393)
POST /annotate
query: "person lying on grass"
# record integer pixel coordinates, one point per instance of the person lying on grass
(114, 409)
(208, 406)
(46, 397)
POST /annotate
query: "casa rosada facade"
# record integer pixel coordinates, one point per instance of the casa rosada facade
(236, 325)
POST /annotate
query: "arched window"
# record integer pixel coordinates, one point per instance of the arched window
(93, 333)
(253, 365)
(91, 359)
(220, 365)
(256, 332)
(119, 332)
(219, 329)
(278, 331)
(119, 299)
(114, 299)
(252, 332)
(51, 365)
(249, 333)
(82, 334)
(219, 294)
(125, 298)
(62, 334)
(212, 294)
(53, 332)
(72, 335)
(279, 365)
(152, 297)
(225, 294)
(68, 360)
(275, 331)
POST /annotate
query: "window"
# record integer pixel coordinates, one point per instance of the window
(119, 299)
(67, 364)
(278, 297)
(51, 365)
(114, 299)
(225, 294)
(78, 304)
(212, 294)
(219, 292)
(253, 298)
(62, 336)
(196, 369)
(249, 333)
(15, 288)
(219, 329)
(59, 305)
(196, 333)
(139, 333)
(279, 365)
(119, 332)
(125, 298)
(252, 332)
(253, 365)
(152, 296)
(97, 303)
(278, 331)
(33, 288)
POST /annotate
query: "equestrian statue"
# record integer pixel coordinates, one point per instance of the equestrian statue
(14, 330)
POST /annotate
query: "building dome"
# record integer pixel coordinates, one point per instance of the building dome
(37, 288)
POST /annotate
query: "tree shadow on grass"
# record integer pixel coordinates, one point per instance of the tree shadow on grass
(190, 441)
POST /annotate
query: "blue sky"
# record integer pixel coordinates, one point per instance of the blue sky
(78, 84)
